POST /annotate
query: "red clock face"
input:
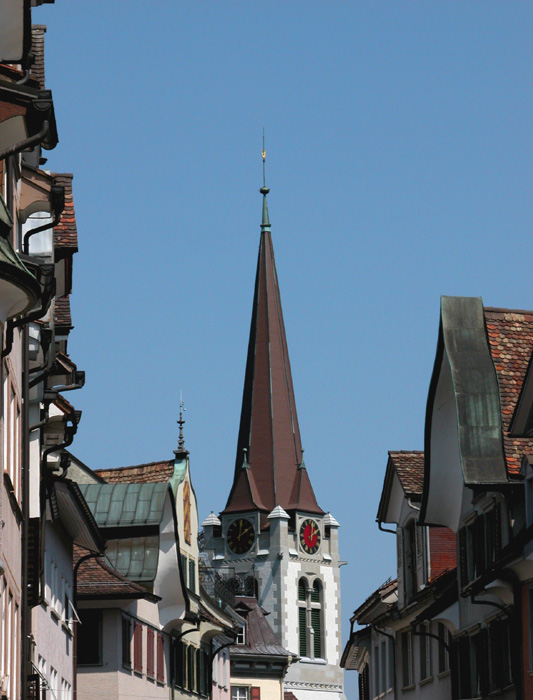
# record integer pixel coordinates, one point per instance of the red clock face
(309, 536)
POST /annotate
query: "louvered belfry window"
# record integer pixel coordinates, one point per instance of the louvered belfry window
(310, 628)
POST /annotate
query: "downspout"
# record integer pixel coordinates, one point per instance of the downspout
(451, 657)
(57, 201)
(27, 143)
(26, 610)
(384, 529)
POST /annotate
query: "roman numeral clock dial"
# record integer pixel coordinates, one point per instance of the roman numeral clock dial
(240, 536)
(309, 536)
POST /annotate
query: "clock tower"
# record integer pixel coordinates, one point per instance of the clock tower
(273, 540)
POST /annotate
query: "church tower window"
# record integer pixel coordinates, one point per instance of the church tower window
(310, 619)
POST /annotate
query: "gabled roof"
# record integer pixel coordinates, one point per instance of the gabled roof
(269, 466)
(410, 469)
(62, 316)
(142, 473)
(65, 232)
(125, 505)
(510, 334)
(378, 603)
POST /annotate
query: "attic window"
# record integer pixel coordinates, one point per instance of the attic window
(241, 636)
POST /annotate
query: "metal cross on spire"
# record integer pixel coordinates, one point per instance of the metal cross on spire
(265, 223)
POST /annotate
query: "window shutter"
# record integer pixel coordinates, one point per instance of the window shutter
(317, 637)
(303, 631)
(160, 658)
(150, 653)
(138, 649)
(463, 557)
(256, 693)
(479, 534)
(301, 590)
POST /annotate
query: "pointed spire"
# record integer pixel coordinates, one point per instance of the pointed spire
(265, 222)
(273, 472)
(181, 451)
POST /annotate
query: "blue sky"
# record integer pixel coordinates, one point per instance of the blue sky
(399, 158)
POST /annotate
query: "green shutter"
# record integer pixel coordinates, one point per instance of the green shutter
(315, 593)
(301, 590)
(303, 631)
(317, 627)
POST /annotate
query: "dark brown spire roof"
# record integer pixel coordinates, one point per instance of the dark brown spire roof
(271, 471)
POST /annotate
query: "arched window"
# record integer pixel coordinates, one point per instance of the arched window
(310, 627)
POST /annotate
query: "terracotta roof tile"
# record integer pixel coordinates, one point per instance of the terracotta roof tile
(143, 473)
(62, 316)
(96, 578)
(510, 335)
(410, 469)
(66, 233)
(37, 48)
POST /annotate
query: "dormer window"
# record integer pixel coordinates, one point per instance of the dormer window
(480, 543)
(241, 636)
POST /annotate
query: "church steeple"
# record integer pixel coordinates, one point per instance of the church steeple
(269, 468)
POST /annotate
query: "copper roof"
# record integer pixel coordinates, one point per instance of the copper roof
(510, 335)
(66, 233)
(142, 473)
(274, 473)
(410, 469)
(96, 579)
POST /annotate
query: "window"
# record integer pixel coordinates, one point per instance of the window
(137, 647)
(480, 543)
(150, 652)
(406, 646)
(241, 636)
(444, 639)
(364, 684)
(191, 668)
(126, 641)
(179, 663)
(310, 619)
(425, 651)
(239, 692)
(192, 575)
(90, 638)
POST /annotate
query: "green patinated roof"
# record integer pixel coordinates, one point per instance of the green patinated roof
(125, 505)
(135, 557)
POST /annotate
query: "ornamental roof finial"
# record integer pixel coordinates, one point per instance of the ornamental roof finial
(265, 223)
(181, 422)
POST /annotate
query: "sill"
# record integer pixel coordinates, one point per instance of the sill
(66, 629)
(408, 687)
(96, 663)
(443, 674)
(309, 660)
(55, 614)
(425, 681)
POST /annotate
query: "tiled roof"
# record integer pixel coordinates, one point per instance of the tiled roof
(410, 469)
(260, 638)
(97, 579)
(510, 336)
(152, 472)
(62, 316)
(37, 48)
(65, 233)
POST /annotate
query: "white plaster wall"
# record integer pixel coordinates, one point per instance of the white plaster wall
(294, 571)
(54, 639)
